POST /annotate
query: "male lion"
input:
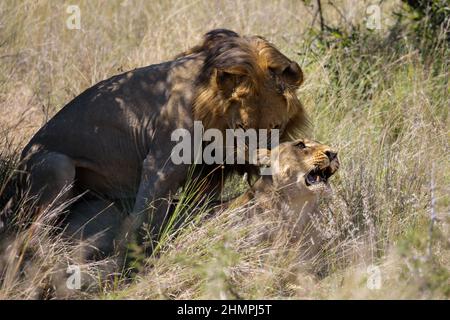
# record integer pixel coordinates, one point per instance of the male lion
(114, 139)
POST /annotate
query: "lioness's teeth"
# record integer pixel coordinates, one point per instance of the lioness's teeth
(317, 178)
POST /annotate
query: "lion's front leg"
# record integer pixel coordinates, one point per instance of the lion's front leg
(159, 180)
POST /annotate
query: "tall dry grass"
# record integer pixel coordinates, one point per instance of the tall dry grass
(381, 98)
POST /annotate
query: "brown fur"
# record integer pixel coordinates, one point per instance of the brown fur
(255, 70)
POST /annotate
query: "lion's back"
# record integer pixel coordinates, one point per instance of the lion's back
(103, 115)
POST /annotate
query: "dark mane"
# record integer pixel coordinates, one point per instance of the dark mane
(257, 60)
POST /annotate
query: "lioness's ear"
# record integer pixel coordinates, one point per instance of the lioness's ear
(227, 81)
(263, 157)
(293, 74)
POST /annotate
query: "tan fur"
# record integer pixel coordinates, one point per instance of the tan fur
(285, 195)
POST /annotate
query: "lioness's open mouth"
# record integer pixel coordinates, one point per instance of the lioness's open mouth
(318, 175)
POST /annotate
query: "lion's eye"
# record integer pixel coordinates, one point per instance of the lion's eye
(301, 145)
(272, 73)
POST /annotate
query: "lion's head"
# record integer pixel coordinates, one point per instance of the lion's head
(246, 82)
(301, 165)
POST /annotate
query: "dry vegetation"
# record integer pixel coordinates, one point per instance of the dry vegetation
(381, 98)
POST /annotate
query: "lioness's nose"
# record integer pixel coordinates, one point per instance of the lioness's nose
(331, 155)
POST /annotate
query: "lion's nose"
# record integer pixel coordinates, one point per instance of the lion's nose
(331, 155)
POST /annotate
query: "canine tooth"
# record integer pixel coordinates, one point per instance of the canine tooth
(317, 178)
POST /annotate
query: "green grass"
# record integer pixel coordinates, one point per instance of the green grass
(383, 104)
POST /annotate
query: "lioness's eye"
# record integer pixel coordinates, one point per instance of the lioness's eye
(301, 145)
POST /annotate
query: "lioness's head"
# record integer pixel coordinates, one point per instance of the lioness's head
(301, 165)
(246, 83)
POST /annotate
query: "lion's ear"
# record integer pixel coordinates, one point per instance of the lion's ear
(227, 81)
(293, 74)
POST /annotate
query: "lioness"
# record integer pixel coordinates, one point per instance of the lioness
(299, 176)
(114, 139)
